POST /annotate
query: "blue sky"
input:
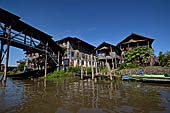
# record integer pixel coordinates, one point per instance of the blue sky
(95, 21)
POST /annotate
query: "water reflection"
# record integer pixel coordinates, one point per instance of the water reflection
(68, 95)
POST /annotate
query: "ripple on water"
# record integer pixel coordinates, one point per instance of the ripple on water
(83, 96)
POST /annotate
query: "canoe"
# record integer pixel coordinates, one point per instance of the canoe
(127, 78)
(22, 75)
(155, 80)
(151, 76)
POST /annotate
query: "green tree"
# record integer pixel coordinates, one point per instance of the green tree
(140, 54)
(164, 59)
(168, 58)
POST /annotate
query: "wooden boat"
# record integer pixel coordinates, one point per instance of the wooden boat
(22, 75)
(125, 78)
(155, 80)
(151, 76)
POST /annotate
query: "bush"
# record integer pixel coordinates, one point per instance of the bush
(56, 74)
(20, 67)
(104, 71)
(74, 69)
(130, 65)
(164, 59)
(122, 66)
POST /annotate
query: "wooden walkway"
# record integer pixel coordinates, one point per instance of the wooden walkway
(16, 33)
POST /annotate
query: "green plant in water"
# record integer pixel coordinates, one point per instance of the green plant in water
(74, 69)
(104, 70)
(56, 74)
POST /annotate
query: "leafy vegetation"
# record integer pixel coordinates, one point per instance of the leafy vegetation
(104, 70)
(164, 59)
(78, 69)
(140, 54)
(56, 74)
(20, 67)
(74, 69)
(136, 57)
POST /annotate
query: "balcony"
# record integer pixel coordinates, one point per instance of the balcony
(103, 56)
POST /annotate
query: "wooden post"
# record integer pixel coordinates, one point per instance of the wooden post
(81, 69)
(92, 66)
(148, 43)
(31, 40)
(112, 57)
(109, 71)
(1, 50)
(25, 37)
(113, 67)
(86, 67)
(6, 63)
(2, 44)
(115, 63)
(7, 55)
(58, 60)
(96, 66)
(46, 59)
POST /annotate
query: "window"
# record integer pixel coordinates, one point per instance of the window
(89, 63)
(82, 62)
(72, 54)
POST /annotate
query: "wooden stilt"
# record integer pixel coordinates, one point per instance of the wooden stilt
(112, 58)
(86, 68)
(148, 43)
(96, 66)
(1, 50)
(81, 69)
(115, 63)
(7, 55)
(92, 66)
(31, 41)
(109, 71)
(25, 37)
(58, 60)
(46, 59)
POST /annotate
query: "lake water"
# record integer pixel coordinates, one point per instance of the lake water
(83, 96)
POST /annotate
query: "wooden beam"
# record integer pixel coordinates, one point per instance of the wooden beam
(31, 41)
(1, 50)
(17, 34)
(1, 26)
(2, 57)
(25, 38)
